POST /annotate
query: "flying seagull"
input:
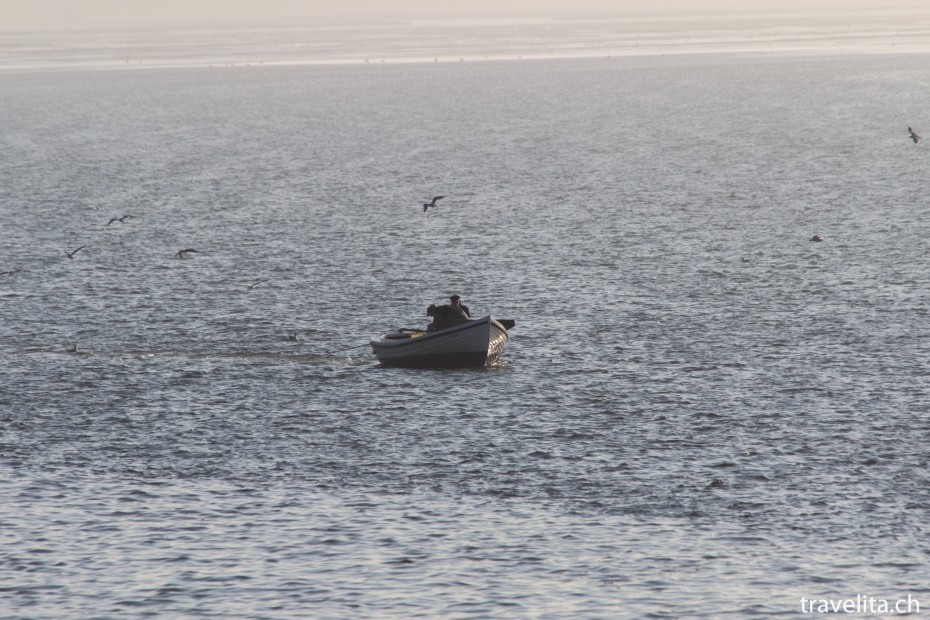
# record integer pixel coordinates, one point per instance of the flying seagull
(71, 254)
(183, 253)
(914, 136)
(121, 220)
(435, 201)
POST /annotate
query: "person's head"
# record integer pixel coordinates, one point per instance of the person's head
(456, 300)
(431, 310)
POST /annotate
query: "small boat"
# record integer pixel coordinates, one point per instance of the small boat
(478, 342)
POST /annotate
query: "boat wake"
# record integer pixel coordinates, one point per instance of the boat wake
(353, 359)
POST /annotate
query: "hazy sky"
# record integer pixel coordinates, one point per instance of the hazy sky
(89, 14)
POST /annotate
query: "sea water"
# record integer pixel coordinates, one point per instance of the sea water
(700, 413)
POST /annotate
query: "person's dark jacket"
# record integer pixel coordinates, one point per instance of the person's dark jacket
(445, 317)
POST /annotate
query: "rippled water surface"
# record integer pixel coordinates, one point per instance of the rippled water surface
(700, 413)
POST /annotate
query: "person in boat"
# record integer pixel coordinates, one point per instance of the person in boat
(457, 303)
(444, 317)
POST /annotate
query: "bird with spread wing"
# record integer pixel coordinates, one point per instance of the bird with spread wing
(433, 203)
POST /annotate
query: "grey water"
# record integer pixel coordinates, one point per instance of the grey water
(700, 413)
